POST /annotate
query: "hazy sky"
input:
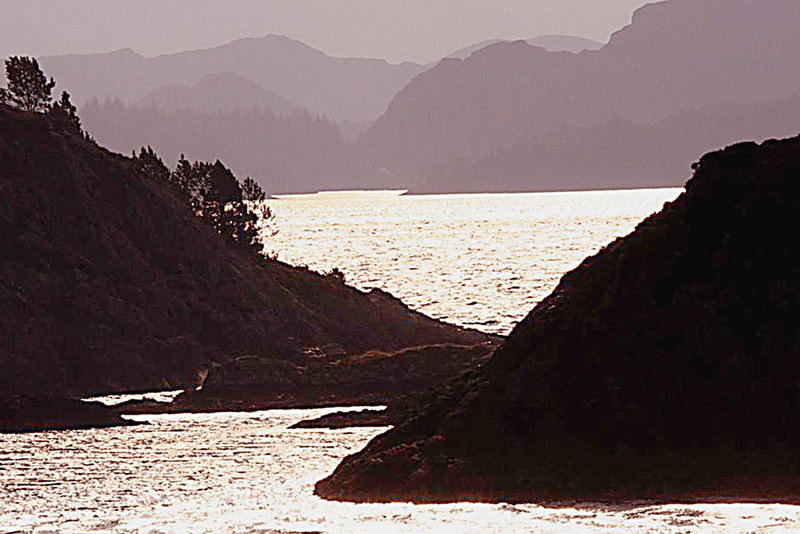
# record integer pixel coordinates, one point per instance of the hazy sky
(397, 30)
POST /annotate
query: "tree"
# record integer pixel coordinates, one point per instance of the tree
(67, 111)
(252, 191)
(28, 88)
(216, 197)
(151, 164)
(255, 198)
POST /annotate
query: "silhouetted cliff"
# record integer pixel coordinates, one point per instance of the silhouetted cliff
(108, 282)
(666, 366)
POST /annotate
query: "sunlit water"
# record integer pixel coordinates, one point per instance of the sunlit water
(482, 261)
(247, 472)
(479, 260)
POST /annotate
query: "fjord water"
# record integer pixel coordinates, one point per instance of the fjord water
(482, 261)
(477, 260)
(247, 473)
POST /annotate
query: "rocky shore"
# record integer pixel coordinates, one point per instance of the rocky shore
(37, 414)
(665, 367)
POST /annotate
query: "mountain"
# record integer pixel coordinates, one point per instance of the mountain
(222, 91)
(108, 282)
(552, 43)
(675, 57)
(664, 367)
(618, 154)
(464, 53)
(357, 90)
(285, 153)
(564, 43)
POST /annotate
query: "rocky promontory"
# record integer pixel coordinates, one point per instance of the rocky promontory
(666, 367)
(109, 283)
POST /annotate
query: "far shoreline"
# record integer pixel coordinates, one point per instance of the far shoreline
(391, 193)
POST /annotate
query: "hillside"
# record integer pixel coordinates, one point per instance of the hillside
(352, 89)
(676, 56)
(109, 283)
(664, 367)
(298, 152)
(221, 91)
(616, 155)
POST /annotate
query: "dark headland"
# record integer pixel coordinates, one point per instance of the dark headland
(109, 283)
(665, 367)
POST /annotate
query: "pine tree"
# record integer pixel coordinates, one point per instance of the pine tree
(68, 111)
(252, 191)
(28, 87)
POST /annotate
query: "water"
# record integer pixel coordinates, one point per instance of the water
(246, 472)
(479, 260)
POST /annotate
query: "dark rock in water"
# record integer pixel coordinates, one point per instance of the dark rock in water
(141, 406)
(347, 419)
(109, 283)
(667, 366)
(34, 414)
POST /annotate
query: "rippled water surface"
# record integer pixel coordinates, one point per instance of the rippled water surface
(477, 260)
(246, 472)
(482, 261)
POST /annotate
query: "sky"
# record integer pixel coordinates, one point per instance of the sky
(395, 30)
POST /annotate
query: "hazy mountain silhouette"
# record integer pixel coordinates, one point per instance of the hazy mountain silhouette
(284, 153)
(676, 56)
(618, 154)
(552, 43)
(222, 91)
(564, 43)
(343, 88)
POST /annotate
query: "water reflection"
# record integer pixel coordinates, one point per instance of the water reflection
(246, 472)
(477, 260)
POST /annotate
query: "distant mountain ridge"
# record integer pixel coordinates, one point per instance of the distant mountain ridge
(676, 56)
(221, 91)
(618, 154)
(285, 153)
(352, 89)
(551, 43)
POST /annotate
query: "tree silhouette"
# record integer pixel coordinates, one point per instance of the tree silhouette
(255, 197)
(252, 191)
(151, 164)
(68, 111)
(216, 197)
(28, 87)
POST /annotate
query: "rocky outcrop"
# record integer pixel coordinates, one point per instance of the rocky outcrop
(666, 366)
(251, 382)
(22, 413)
(347, 419)
(109, 283)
